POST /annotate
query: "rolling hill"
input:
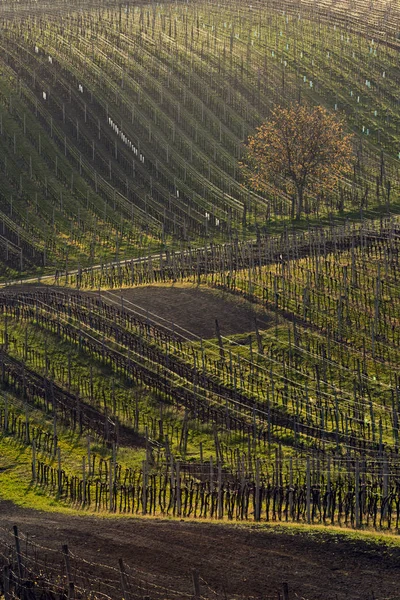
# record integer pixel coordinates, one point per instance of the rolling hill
(123, 126)
(172, 345)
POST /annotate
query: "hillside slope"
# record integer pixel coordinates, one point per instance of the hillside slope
(122, 127)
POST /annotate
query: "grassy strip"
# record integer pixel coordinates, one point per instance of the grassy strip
(16, 486)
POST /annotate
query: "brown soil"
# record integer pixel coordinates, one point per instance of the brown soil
(251, 561)
(193, 308)
(196, 309)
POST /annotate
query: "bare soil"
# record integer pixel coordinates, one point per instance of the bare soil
(197, 308)
(251, 561)
(193, 308)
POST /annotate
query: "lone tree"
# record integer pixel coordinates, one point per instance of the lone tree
(306, 149)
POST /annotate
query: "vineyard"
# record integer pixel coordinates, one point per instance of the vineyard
(297, 421)
(175, 351)
(115, 409)
(122, 128)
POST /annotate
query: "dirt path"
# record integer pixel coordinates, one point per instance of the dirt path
(241, 560)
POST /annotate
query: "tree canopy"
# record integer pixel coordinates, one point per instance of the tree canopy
(305, 149)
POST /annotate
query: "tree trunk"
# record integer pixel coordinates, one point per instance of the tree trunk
(299, 203)
(294, 204)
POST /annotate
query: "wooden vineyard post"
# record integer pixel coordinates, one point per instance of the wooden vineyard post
(196, 584)
(84, 478)
(308, 485)
(71, 587)
(277, 479)
(59, 475)
(172, 479)
(114, 402)
(69, 373)
(114, 458)
(27, 440)
(258, 337)
(6, 413)
(373, 427)
(377, 298)
(385, 478)
(211, 475)
(54, 434)
(395, 403)
(136, 414)
(337, 419)
(220, 342)
(18, 553)
(124, 583)
(88, 456)
(167, 448)
(220, 508)
(144, 487)
(357, 494)
(110, 485)
(6, 582)
(242, 473)
(178, 488)
(291, 487)
(328, 486)
(285, 591)
(216, 443)
(34, 461)
(257, 511)
(254, 429)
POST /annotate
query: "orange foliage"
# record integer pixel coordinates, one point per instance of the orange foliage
(305, 147)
